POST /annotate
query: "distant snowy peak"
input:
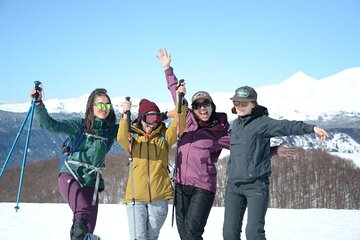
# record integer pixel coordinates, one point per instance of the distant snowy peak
(300, 97)
(77, 105)
(304, 97)
(299, 78)
(55, 105)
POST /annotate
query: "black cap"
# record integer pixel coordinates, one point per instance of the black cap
(245, 94)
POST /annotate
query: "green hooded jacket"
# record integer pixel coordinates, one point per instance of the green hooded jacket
(91, 151)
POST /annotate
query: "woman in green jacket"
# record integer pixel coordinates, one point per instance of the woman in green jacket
(80, 177)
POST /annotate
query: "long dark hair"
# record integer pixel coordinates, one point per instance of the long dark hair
(213, 116)
(89, 114)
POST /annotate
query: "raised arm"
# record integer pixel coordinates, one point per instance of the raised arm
(68, 127)
(171, 80)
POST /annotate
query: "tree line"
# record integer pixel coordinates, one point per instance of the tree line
(312, 179)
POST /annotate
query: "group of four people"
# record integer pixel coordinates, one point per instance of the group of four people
(204, 133)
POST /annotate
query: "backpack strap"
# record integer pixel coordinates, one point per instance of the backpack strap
(163, 139)
(78, 141)
(68, 147)
(83, 134)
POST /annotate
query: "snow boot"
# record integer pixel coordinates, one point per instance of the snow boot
(90, 236)
(79, 229)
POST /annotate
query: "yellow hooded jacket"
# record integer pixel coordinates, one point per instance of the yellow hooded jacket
(150, 159)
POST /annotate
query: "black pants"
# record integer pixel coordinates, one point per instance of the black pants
(192, 211)
(255, 197)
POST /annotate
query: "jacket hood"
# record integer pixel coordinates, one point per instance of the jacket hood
(260, 111)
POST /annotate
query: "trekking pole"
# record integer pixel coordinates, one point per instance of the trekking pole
(128, 114)
(31, 115)
(37, 83)
(14, 144)
(180, 99)
(32, 108)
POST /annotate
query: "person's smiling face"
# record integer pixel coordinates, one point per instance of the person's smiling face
(202, 109)
(102, 107)
(243, 108)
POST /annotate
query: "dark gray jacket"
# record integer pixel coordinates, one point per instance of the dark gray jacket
(250, 144)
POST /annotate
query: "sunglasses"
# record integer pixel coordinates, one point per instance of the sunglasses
(198, 105)
(238, 103)
(101, 106)
(152, 118)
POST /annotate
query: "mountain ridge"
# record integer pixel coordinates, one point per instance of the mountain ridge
(307, 99)
(300, 97)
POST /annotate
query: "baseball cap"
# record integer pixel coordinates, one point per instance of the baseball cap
(200, 95)
(245, 93)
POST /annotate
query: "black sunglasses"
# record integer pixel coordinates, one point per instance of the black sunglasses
(198, 105)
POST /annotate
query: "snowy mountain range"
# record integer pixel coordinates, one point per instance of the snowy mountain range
(329, 102)
(300, 97)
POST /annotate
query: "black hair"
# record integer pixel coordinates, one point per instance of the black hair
(213, 116)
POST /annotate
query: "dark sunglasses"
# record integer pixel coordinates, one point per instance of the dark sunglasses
(198, 105)
(239, 103)
(152, 118)
(101, 106)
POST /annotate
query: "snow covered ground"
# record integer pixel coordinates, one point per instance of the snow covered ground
(52, 221)
(355, 157)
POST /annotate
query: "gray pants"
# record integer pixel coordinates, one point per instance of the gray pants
(255, 197)
(149, 218)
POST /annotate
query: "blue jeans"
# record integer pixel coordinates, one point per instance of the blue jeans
(149, 218)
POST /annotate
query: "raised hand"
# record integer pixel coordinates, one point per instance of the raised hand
(126, 105)
(170, 114)
(33, 92)
(164, 58)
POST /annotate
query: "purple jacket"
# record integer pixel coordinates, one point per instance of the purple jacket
(199, 147)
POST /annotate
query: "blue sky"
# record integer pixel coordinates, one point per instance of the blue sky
(76, 46)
